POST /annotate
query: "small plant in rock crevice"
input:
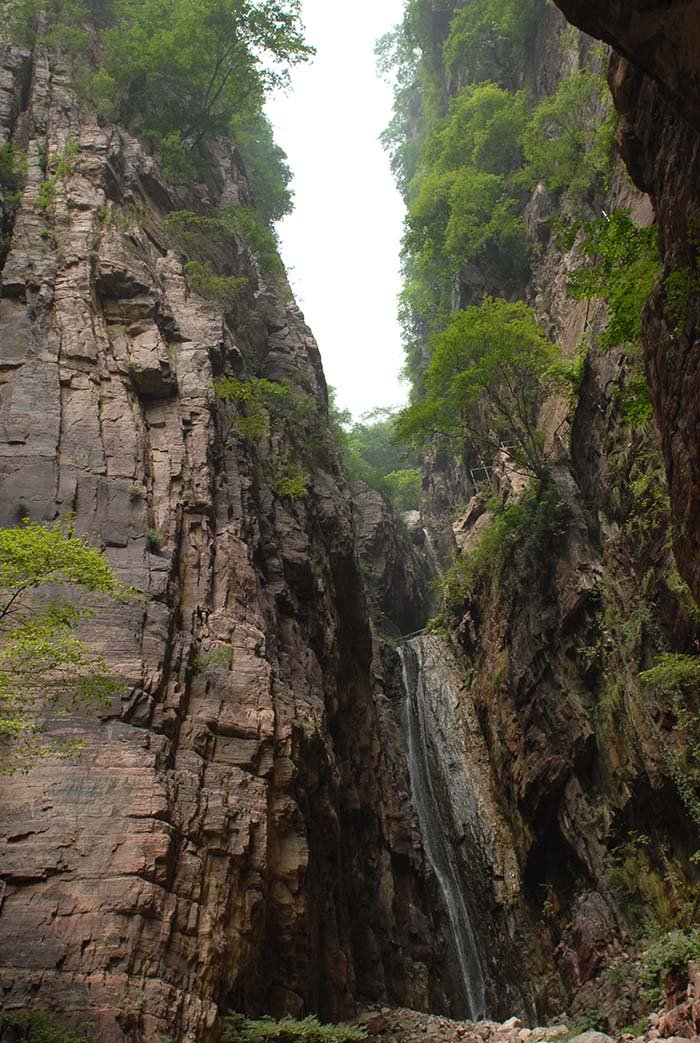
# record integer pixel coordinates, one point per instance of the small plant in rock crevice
(155, 540)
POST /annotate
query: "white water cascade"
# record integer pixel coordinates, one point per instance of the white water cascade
(421, 744)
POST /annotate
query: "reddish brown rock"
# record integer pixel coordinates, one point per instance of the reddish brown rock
(235, 833)
(656, 89)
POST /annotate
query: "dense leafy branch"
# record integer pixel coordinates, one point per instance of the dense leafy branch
(490, 370)
(42, 663)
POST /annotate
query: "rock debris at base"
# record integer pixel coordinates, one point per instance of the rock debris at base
(398, 1025)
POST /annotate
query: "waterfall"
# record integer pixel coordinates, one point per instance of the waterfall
(420, 740)
(432, 553)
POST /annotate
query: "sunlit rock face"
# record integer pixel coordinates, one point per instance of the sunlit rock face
(656, 89)
(235, 833)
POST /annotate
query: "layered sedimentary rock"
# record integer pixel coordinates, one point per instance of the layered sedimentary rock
(655, 82)
(236, 833)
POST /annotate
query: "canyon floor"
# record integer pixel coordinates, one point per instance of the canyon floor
(398, 1025)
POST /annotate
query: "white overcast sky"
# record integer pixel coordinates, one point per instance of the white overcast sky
(341, 244)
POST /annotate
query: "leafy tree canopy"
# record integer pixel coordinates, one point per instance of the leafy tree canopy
(490, 370)
(565, 146)
(488, 38)
(623, 264)
(192, 66)
(41, 660)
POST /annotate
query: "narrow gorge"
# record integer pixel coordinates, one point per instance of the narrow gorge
(392, 723)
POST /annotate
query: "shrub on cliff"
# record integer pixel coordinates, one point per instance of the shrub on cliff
(622, 264)
(190, 70)
(490, 370)
(565, 146)
(43, 664)
(521, 534)
(488, 39)
(39, 1026)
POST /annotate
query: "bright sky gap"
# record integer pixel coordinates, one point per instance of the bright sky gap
(341, 244)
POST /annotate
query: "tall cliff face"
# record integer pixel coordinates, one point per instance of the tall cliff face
(236, 833)
(655, 78)
(554, 618)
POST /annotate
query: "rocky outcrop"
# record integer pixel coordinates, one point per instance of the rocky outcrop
(396, 561)
(235, 833)
(656, 89)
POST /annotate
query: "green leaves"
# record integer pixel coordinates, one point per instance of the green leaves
(42, 662)
(35, 554)
(490, 370)
(488, 38)
(190, 66)
(255, 398)
(373, 455)
(239, 1029)
(565, 147)
(624, 264)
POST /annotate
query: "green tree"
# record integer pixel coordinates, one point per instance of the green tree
(43, 664)
(488, 38)
(565, 146)
(623, 264)
(490, 370)
(374, 455)
(189, 68)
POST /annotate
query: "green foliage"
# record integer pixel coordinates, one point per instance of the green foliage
(461, 201)
(403, 488)
(182, 72)
(46, 193)
(215, 659)
(192, 70)
(205, 236)
(565, 146)
(239, 1029)
(224, 290)
(633, 878)
(623, 266)
(672, 952)
(522, 534)
(41, 660)
(673, 672)
(60, 166)
(373, 455)
(677, 675)
(13, 170)
(38, 1026)
(154, 539)
(490, 370)
(408, 53)
(267, 168)
(682, 287)
(255, 400)
(289, 479)
(18, 21)
(488, 39)
(462, 171)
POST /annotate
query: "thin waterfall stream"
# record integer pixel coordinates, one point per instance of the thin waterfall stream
(416, 726)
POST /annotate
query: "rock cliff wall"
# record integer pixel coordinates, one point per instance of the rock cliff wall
(554, 631)
(655, 83)
(236, 833)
